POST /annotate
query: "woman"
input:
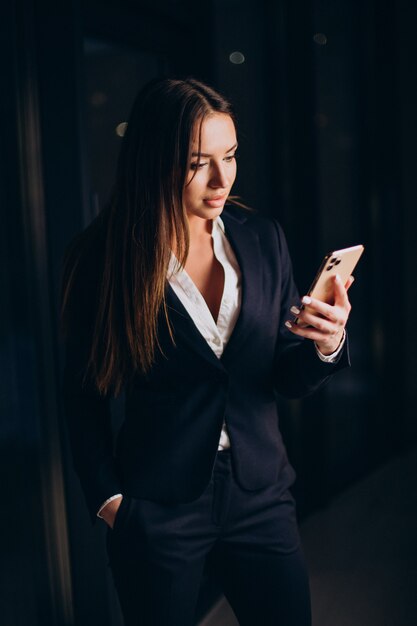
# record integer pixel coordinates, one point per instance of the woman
(185, 305)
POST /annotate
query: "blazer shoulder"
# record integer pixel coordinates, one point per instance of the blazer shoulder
(266, 228)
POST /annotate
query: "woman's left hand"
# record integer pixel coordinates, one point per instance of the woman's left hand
(321, 322)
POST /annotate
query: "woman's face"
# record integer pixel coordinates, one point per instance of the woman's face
(209, 181)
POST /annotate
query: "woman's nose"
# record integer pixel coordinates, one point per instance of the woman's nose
(219, 178)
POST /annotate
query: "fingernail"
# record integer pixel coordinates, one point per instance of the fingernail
(338, 278)
(306, 300)
(295, 310)
(288, 324)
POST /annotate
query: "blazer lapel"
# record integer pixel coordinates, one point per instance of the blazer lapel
(245, 244)
(186, 330)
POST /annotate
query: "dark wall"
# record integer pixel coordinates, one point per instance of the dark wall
(326, 99)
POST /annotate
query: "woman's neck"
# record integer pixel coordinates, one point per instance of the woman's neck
(200, 229)
(200, 234)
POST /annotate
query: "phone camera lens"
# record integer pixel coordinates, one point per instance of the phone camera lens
(338, 261)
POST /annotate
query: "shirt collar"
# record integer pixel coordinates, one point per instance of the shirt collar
(218, 223)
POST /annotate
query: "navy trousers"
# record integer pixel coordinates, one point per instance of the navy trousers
(249, 540)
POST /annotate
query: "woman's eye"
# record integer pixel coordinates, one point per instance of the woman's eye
(199, 166)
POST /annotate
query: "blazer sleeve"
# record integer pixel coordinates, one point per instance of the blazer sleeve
(298, 370)
(87, 412)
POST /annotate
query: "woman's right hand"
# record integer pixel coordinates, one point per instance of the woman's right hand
(110, 511)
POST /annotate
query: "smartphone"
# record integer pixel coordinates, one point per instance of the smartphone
(341, 262)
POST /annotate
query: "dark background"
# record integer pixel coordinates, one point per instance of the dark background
(326, 101)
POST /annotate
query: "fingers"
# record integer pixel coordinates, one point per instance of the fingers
(307, 332)
(327, 339)
(327, 325)
(311, 332)
(317, 327)
(340, 293)
(349, 282)
(314, 306)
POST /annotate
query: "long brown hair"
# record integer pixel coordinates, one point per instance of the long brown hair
(144, 216)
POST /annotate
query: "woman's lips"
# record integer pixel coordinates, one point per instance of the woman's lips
(215, 202)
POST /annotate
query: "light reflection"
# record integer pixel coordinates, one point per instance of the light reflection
(236, 57)
(121, 129)
(320, 39)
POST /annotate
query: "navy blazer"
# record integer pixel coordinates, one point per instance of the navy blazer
(167, 445)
